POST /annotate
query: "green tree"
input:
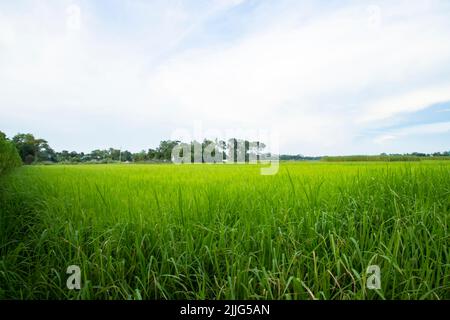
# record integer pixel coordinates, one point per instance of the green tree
(140, 156)
(26, 146)
(126, 156)
(164, 151)
(63, 156)
(152, 154)
(33, 150)
(114, 154)
(98, 155)
(45, 153)
(9, 157)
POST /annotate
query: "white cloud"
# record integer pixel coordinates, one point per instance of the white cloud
(288, 75)
(319, 81)
(384, 138)
(410, 102)
(418, 130)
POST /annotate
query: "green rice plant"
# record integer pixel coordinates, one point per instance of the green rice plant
(226, 232)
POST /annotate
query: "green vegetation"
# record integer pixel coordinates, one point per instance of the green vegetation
(226, 232)
(9, 158)
(35, 150)
(399, 157)
(32, 150)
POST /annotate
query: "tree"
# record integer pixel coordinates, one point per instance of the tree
(222, 146)
(32, 150)
(164, 151)
(45, 153)
(140, 156)
(98, 155)
(26, 146)
(126, 156)
(257, 147)
(114, 154)
(63, 156)
(9, 157)
(151, 154)
(196, 152)
(211, 151)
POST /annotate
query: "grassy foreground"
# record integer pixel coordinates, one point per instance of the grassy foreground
(226, 232)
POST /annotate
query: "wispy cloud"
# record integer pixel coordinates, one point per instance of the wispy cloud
(419, 130)
(410, 102)
(319, 74)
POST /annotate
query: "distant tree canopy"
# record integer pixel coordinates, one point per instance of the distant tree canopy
(415, 156)
(235, 150)
(9, 157)
(297, 157)
(35, 150)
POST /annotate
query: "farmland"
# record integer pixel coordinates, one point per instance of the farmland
(225, 231)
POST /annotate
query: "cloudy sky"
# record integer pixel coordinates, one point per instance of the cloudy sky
(328, 77)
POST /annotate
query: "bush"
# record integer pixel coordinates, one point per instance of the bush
(374, 158)
(9, 157)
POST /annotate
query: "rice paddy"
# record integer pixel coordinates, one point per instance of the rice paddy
(226, 232)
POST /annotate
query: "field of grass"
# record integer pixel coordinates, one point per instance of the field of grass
(384, 158)
(226, 232)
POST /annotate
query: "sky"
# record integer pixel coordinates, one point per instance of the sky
(323, 77)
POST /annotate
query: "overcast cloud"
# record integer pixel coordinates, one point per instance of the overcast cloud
(330, 77)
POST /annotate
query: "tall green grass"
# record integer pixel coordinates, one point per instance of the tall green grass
(226, 232)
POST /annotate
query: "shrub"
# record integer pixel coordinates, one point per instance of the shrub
(9, 157)
(374, 158)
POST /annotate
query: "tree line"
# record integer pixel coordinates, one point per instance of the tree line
(415, 156)
(36, 150)
(26, 148)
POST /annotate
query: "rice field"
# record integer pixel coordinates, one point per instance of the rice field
(226, 232)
